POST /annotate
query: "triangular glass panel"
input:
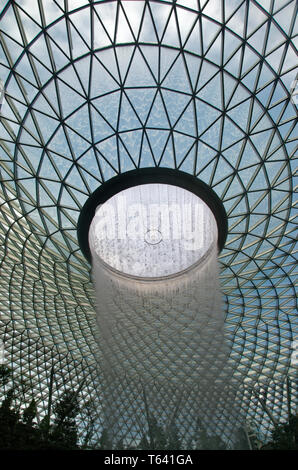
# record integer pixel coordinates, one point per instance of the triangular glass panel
(250, 79)
(230, 45)
(212, 92)
(141, 99)
(167, 58)
(63, 164)
(139, 74)
(289, 79)
(282, 17)
(126, 162)
(205, 174)
(207, 72)
(158, 140)
(80, 68)
(128, 118)
(90, 163)
(256, 40)
(47, 170)
(237, 21)
(134, 11)
(123, 31)
(210, 31)
(101, 38)
(10, 26)
(240, 95)
(74, 180)
(233, 65)
(290, 61)
(175, 104)
(250, 59)
(124, 57)
(274, 59)
(78, 144)
(211, 136)
(44, 200)
(59, 143)
(186, 20)
(167, 159)
(264, 95)
(249, 157)
(58, 32)
(107, 14)
(109, 149)
(183, 145)
(187, 123)
(263, 124)
(147, 33)
(101, 81)
(100, 128)
(275, 38)
(157, 116)
(160, 13)
(15, 49)
(214, 53)
(47, 124)
(171, 36)
(213, 9)
(194, 43)
(69, 76)
(92, 182)
(70, 99)
(223, 171)
(146, 159)
(256, 17)
(107, 171)
(80, 31)
(261, 140)
(240, 114)
(31, 29)
(205, 157)
(25, 70)
(108, 106)
(132, 143)
(26, 138)
(206, 115)
(232, 153)
(54, 188)
(193, 65)
(230, 134)
(151, 56)
(235, 190)
(22, 167)
(188, 165)
(177, 78)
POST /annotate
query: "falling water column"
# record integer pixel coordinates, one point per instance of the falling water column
(161, 319)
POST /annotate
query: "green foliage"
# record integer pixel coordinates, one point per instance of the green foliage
(22, 428)
(284, 436)
(19, 429)
(206, 441)
(5, 373)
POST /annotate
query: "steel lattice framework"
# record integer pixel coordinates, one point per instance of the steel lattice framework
(91, 89)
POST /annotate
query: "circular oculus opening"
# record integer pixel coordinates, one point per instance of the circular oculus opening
(151, 223)
(151, 231)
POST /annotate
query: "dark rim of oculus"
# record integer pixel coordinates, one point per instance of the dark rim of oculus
(146, 176)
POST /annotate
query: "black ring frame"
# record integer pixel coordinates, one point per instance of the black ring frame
(146, 176)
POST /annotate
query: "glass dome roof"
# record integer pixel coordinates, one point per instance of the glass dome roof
(91, 89)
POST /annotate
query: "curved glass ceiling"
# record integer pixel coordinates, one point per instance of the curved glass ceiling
(93, 89)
